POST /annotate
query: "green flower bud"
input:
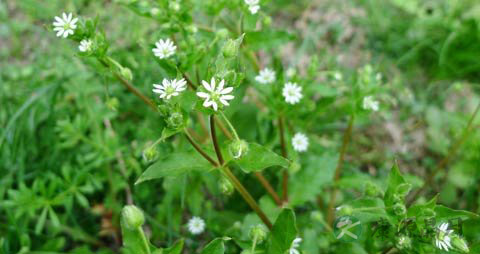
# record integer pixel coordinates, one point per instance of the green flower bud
(222, 33)
(132, 216)
(174, 6)
(345, 210)
(294, 167)
(427, 212)
(192, 29)
(267, 20)
(150, 154)
(154, 11)
(126, 73)
(403, 242)
(258, 232)
(226, 186)
(372, 190)
(399, 209)
(403, 189)
(238, 148)
(112, 103)
(459, 243)
(175, 120)
(317, 215)
(230, 49)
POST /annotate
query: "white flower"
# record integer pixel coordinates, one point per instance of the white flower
(337, 76)
(254, 8)
(370, 104)
(170, 88)
(265, 76)
(215, 95)
(378, 77)
(85, 45)
(164, 48)
(442, 238)
(294, 246)
(65, 26)
(300, 142)
(196, 225)
(292, 93)
(252, 2)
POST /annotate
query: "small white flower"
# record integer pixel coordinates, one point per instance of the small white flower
(442, 238)
(196, 225)
(253, 6)
(370, 104)
(291, 72)
(170, 88)
(215, 95)
(337, 76)
(265, 76)
(378, 77)
(292, 93)
(254, 9)
(294, 246)
(252, 2)
(65, 26)
(164, 48)
(85, 45)
(300, 142)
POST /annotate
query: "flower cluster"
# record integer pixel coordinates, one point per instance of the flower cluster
(253, 6)
(370, 104)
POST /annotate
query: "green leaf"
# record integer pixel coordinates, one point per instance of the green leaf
(368, 209)
(283, 233)
(418, 209)
(444, 213)
(175, 164)
(215, 247)
(53, 217)
(395, 179)
(259, 157)
(41, 221)
(176, 248)
(267, 39)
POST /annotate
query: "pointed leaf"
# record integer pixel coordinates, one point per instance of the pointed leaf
(215, 247)
(395, 179)
(259, 157)
(283, 233)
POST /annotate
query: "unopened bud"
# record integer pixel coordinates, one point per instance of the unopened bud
(238, 148)
(267, 20)
(226, 186)
(258, 232)
(230, 49)
(399, 209)
(126, 73)
(175, 120)
(344, 210)
(371, 190)
(174, 6)
(222, 33)
(112, 103)
(132, 216)
(460, 244)
(403, 189)
(150, 154)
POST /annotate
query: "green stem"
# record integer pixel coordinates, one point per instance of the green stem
(338, 171)
(230, 125)
(254, 244)
(144, 239)
(283, 145)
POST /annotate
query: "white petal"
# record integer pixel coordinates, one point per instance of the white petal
(227, 97)
(226, 90)
(203, 95)
(212, 84)
(215, 106)
(207, 86)
(220, 86)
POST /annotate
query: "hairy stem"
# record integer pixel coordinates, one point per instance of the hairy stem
(236, 183)
(338, 171)
(199, 149)
(281, 130)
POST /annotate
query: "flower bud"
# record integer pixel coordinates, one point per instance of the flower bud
(126, 73)
(460, 244)
(344, 210)
(238, 148)
(150, 154)
(226, 186)
(258, 232)
(267, 21)
(132, 216)
(192, 29)
(317, 215)
(175, 120)
(403, 189)
(291, 72)
(371, 190)
(222, 33)
(112, 103)
(230, 49)
(427, 212)
(174, 6)
(399, 209)
(403, 242)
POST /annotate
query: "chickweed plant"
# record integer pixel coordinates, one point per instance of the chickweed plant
(226, 151)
